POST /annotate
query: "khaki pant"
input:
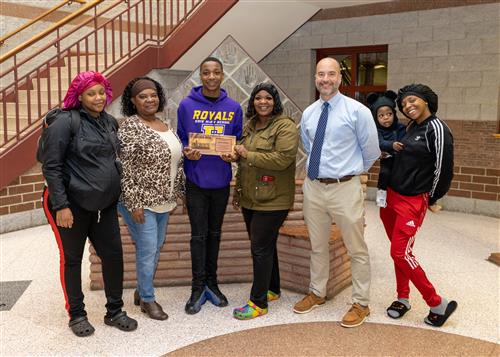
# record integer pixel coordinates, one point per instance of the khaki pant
(342, 203)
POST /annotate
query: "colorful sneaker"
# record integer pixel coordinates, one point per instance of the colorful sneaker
(272, 296)
(249, 311)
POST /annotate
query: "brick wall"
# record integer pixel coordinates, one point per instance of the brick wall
(24, 193)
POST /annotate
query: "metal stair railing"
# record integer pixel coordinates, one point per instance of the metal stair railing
(103, 41)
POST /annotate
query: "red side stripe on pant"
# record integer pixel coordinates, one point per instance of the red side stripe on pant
(53, 225)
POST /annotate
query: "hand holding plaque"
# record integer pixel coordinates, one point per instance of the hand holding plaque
(212, 144)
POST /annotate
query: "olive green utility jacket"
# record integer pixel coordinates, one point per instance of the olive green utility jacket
(265, 180)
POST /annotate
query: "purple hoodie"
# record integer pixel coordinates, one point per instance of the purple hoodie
(196, 114)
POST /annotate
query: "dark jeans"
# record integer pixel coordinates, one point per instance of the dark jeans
(103, 232)
(206, 209)
(263, 229)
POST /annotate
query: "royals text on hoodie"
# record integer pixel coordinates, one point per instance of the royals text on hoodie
(197, 114)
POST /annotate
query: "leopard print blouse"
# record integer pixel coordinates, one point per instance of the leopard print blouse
(146, 158)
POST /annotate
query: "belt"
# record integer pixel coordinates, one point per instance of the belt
(335, 180)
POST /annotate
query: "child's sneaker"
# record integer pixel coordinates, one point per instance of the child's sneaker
(272, 296)
(249, 311)
(381, 198)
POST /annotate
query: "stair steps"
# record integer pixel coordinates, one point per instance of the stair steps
(39, 93)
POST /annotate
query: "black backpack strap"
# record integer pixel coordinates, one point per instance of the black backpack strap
(75, 121)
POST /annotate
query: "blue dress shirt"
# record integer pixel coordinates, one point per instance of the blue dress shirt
(351, 144)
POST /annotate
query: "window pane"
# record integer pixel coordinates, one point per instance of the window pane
(345, 62)
(372, 69)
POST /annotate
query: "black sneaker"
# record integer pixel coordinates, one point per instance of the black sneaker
(196, 300)
(215, 296)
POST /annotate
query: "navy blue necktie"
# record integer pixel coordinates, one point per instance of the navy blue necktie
(315, 158)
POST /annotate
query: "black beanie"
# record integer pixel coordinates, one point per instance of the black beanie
(422, 91)
(377, 100)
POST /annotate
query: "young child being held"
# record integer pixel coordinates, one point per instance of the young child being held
(390, 132)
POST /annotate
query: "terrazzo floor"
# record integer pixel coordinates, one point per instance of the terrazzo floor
(452, 248)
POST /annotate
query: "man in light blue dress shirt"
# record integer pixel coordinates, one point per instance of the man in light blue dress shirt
(332, 189)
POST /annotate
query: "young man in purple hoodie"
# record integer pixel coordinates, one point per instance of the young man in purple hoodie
(207, 110)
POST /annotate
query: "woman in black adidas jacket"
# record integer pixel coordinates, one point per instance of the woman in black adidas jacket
(421, 175)
(83, 186)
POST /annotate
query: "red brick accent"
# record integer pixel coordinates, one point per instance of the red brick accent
(484, 195)
(492, 188)
(484, 179)
(22, 207)
(10, 200)
(471, 186)
(30, 197)
(463, 178)
(24, 193)
(459, 193)
(32, 178)
(20, 189)
(493, 172)
(473, 170)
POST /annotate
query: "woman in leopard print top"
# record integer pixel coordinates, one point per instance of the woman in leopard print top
(152, 181)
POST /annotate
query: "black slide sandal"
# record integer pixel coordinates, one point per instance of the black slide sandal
(437, 320)
(399, 308)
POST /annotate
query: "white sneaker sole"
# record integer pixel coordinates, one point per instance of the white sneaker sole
(306, 311)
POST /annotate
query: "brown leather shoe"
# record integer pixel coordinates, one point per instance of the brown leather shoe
(137, 298)
(356, 315)
(309, 302)
(154, 310)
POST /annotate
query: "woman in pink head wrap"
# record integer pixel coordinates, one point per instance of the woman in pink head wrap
(82, 172)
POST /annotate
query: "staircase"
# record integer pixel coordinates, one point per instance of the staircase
(124, 40)
(38, 96)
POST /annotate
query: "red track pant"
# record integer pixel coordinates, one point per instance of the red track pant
(402, 219)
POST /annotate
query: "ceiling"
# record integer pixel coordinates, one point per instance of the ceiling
(259, 26)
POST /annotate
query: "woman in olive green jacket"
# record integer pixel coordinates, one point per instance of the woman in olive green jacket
(265, 190)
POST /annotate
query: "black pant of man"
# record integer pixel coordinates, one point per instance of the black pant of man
(103, 231)
(263, 229)
(206, 209)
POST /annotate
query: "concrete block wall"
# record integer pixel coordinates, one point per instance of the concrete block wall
(455, 50)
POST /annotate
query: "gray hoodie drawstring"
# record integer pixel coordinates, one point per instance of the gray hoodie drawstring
(98, 216)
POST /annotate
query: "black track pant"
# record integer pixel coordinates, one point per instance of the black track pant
(263, 229)
(104, 233)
